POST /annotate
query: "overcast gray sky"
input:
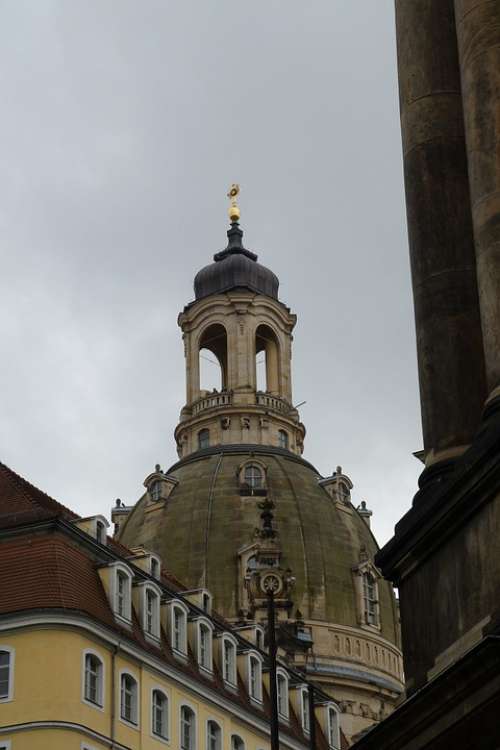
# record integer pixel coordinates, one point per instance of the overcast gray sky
(123, 124)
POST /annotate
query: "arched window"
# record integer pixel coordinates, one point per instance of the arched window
(304, 710)
(213, 358)
(255, 678)
(6, 673)
(370, 599)
(283, 439)
(214, 736)
(129, 699)
(179, 630)
(237, 743)
(253, 476)
(333, 728)
(188, 729)
(93, 679)
(159, 714)
(204, 646)
(203, 439)
(282, 690)
(229, 660)
(267, 360)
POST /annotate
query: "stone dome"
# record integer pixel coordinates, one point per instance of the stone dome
(201, 528)
(235, 268)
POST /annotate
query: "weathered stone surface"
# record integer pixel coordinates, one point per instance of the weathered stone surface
(440, 227)
(478, 32)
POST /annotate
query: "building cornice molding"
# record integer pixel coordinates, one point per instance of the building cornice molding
(68, 726)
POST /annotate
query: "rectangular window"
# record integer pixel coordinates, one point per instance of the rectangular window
(229, 662)
(122, 595)
(151, 602)
(178, 630)
(4, 674)
(305, 711)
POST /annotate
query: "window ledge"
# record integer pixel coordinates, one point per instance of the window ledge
(91, 704)
(181, 655)
(123, 620)
(155, 640)
(131, 724)
(206, 671)
(159, 738)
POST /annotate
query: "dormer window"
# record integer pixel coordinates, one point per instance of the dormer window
(229, 660)
(255, 678)
(282, 690)
(155, 492)
(205, 646)
(203, 439)
(206, 602)
(151, 616)
(100, 532)
(155, 567)
(283, 439)
(178, 628)
(304, 710)
(333, 729)
(122, 588)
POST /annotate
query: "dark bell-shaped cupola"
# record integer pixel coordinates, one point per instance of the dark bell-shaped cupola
(235, 267)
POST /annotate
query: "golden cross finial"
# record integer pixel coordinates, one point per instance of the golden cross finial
(234, 211)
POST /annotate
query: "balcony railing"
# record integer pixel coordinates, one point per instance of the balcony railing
(212, 402)
(273, 402)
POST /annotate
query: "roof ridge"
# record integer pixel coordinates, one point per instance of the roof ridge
(34, 495)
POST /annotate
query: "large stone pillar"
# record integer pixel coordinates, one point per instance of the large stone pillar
(449, 346)
(478, 33)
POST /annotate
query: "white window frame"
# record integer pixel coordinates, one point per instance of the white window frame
(116, 569)
(371, 613)
(101, 689)
(155, 633)
(6, 745)
(154, 560)
(207, 665)
(221, 735)
(164, 692)
(233, 681)
(281, 673)
(130, 723)
(241, 742)
(331, 708)
(254, 656)
(206, 599)
(174, 605)
(259, 636)
(12, 658)
(304, 713)
(85, 746)
(194, 744)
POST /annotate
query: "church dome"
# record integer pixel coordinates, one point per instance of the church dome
(235, 268)
(208, 519)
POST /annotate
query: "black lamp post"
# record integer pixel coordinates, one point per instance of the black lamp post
(273, 689)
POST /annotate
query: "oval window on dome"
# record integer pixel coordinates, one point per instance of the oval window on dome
(253, 476)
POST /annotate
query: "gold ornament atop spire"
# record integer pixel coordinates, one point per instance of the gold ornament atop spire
(234, 211)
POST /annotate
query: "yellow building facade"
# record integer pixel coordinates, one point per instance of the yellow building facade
(100, 648)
